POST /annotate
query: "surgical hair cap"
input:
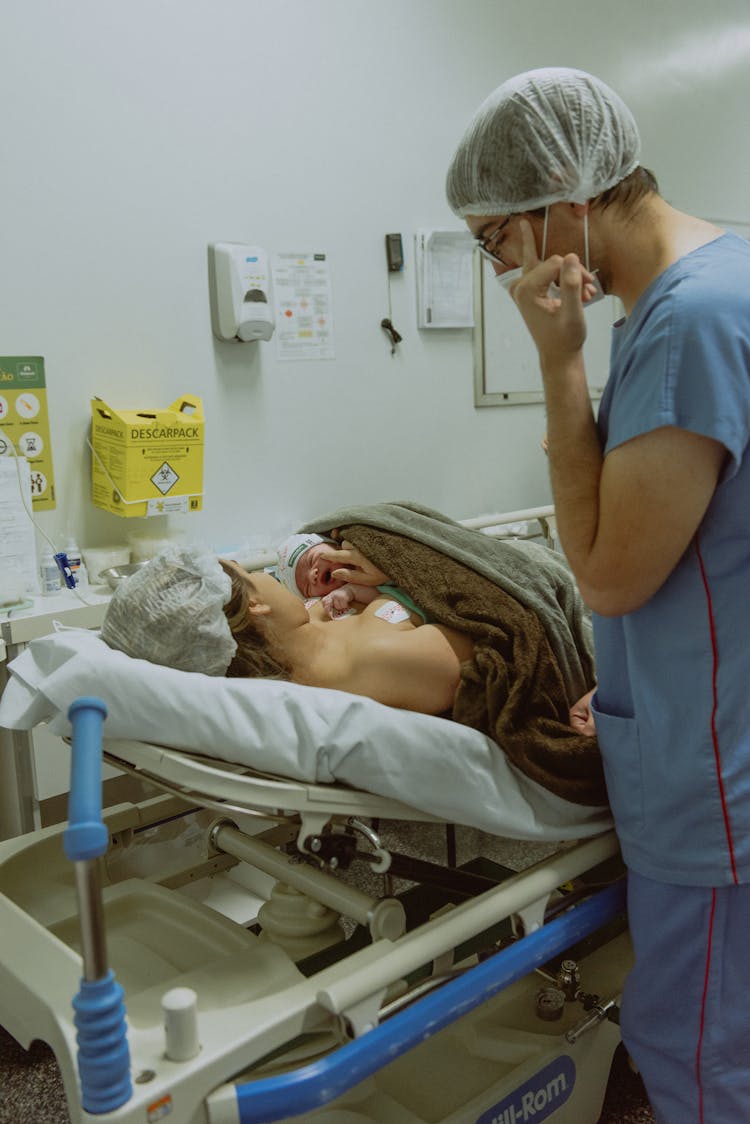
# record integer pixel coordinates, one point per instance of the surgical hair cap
(290, 553)
(545, 136)
(171, 612)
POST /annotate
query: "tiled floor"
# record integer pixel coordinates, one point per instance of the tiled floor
(30, 1085)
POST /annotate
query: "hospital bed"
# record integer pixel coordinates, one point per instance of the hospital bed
(472, 995)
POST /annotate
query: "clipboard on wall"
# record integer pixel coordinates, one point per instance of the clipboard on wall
(445, 284)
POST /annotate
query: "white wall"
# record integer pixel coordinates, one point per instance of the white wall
(135, 134)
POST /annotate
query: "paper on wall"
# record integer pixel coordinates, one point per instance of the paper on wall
(303, 306)
(17, 543)
(445, 286)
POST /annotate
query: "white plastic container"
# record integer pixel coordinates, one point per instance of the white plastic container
(99, 558)
(144, 547)
(49, 574)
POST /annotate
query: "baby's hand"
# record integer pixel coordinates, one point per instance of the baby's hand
(337, 602)
(582, 717)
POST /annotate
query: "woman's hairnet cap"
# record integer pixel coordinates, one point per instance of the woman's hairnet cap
(171, 612)
(545, 136)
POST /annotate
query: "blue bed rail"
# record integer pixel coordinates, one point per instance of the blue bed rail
(308, 1088)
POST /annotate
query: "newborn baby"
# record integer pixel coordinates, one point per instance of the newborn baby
(304, 570)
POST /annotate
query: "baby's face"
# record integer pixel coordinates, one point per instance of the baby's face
(313, 573)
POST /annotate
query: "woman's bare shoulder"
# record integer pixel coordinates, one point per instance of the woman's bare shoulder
(414, 668)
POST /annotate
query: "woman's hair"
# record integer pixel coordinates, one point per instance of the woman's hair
(257, 657)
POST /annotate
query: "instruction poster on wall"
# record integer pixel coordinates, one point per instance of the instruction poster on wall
(304, 313)
(24, 423)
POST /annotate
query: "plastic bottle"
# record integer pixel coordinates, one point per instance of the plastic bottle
(75, 561)
(49, 573)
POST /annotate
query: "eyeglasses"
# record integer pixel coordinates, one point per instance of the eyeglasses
(486, 246)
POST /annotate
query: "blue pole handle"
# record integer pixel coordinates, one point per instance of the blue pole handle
(86, 836)
(103, 1052)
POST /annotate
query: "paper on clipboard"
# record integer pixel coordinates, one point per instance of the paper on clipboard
(445, 296)
(17, 542)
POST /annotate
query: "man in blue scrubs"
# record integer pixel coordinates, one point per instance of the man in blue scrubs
(653, 509)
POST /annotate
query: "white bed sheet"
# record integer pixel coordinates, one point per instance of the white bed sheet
(304, 733)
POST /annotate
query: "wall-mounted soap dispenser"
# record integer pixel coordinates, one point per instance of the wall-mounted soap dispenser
(239, 282)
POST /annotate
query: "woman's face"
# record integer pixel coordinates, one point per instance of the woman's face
(266, 590)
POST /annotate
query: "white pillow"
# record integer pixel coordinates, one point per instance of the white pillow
(304, 733)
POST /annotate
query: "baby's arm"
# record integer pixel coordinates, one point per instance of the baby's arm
(337, 602)
(364, 594)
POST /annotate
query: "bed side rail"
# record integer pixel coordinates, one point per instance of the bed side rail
(544, 515)
(308, 1088)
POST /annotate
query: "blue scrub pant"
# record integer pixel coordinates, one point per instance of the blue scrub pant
(686, 1003)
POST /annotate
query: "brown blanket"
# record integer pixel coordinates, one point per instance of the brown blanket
(513, 689)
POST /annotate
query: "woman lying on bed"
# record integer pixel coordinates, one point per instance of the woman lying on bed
(190, 611)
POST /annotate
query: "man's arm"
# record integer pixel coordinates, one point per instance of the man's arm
(625, 520)
(653, 492)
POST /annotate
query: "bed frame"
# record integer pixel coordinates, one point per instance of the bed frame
(495, 1002)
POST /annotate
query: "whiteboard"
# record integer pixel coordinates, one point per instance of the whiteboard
(506, 366)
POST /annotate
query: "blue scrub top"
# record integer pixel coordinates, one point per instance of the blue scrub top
(672, 708)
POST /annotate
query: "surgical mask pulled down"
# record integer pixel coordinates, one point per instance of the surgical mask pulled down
(507, 280)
